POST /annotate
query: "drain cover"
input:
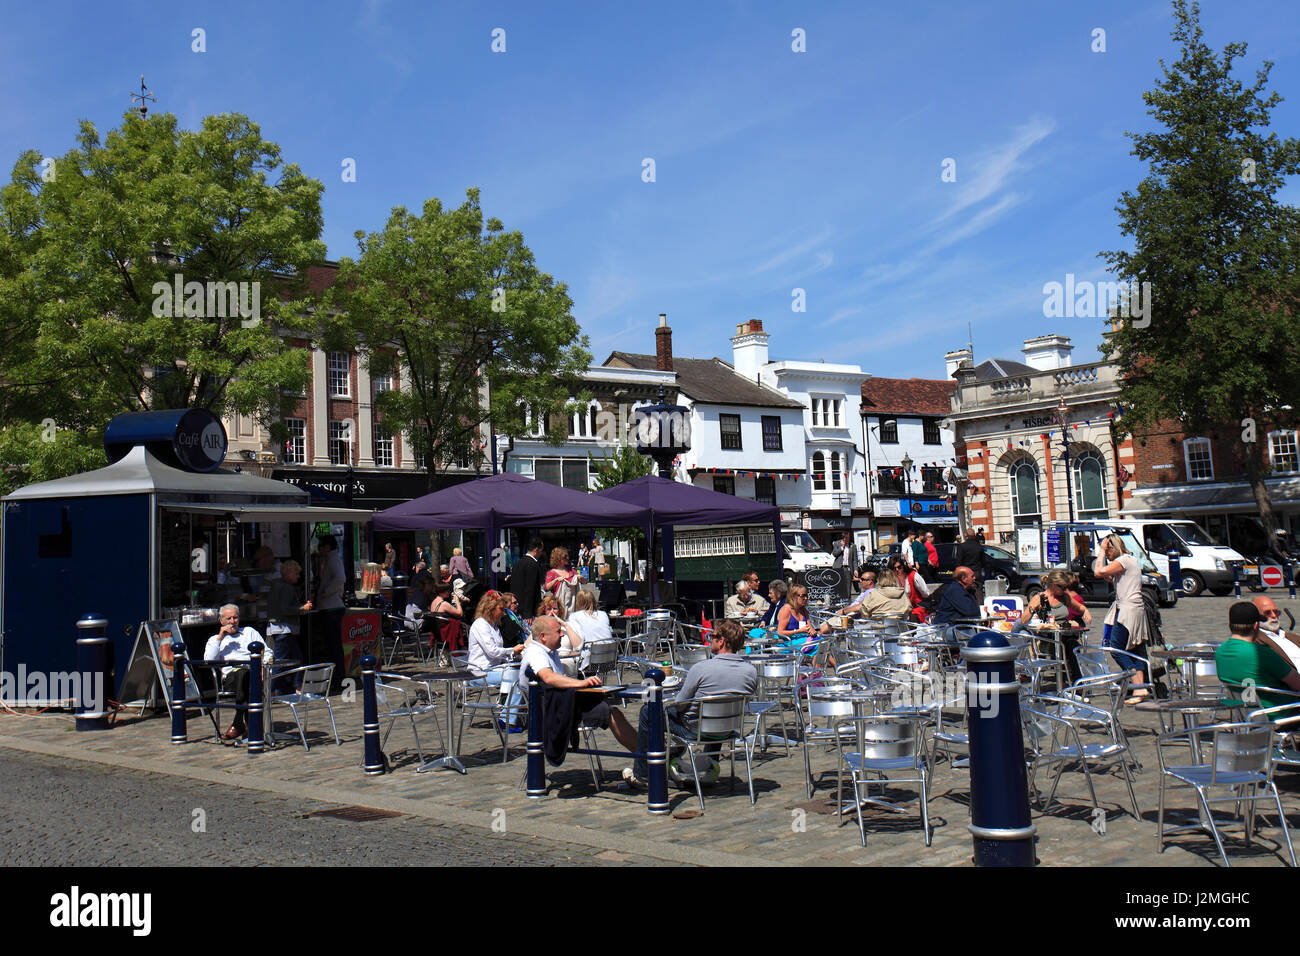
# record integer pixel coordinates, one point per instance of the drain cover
(356, 814)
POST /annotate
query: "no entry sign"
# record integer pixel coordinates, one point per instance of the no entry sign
(1271, 575)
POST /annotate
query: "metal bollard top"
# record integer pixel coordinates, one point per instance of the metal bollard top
(988, 646)
(256, 647)
(655, 674)
(368, 662)
(88, 621)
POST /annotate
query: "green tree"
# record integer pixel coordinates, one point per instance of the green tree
(1219, 348)
(90, 247)
(460, 309)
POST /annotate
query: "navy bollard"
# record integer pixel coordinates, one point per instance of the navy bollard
(256, 730)
(657, 755)
(1236, 579)
(1290, 574)
(536, 752)
(1175, 572)
(373, 759)
(999, 787)
(92, 667)
(178, 693)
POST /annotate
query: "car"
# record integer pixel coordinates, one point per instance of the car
(999, 564)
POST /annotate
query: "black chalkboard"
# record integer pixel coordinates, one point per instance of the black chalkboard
(822, 583)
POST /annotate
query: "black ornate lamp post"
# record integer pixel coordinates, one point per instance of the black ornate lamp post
(1062, 416)
(907, 476)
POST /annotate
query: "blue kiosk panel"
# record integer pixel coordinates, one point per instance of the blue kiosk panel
(65, 557)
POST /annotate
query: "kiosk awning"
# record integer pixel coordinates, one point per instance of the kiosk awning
(246, 513)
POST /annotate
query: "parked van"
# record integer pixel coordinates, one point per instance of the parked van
(802, 553)
(1204, 562)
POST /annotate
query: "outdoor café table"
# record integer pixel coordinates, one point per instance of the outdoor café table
(1188, 652)
(448, 679)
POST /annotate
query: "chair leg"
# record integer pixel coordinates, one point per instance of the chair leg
(1214, 829)
(1128, 779)
(1281, 819)
(699, 789)
(857, 805)
(302, 734)
(925, 806)
(1160, 818)
(333, 726)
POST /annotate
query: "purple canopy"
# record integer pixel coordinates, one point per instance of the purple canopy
(506, 501)
(674, 502)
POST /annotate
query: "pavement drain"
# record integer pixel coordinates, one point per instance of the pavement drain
(356, 814)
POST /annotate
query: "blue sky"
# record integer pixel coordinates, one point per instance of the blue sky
(774, 170)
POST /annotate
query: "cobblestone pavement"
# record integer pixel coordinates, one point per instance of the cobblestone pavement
(59, 811)
(784, 828)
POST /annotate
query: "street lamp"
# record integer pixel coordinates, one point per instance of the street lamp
(907, 476)
(1062, 416)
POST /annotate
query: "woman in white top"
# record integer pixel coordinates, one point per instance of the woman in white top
(589, 621)
(486, 651)
(1126, 621)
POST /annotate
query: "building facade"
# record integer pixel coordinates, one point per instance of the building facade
(910, 457)
(1039, 440)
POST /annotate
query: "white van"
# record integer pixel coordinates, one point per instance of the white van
(1203, 562)
(802, 553)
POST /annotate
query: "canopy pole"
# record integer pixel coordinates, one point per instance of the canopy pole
(651, 576)
(780, 553)
(670, 559)
(492, 536)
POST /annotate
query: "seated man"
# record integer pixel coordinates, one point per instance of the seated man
(726, 672)
(744, 603)
(231, 644)
(867, 581)
(1270, 624)
(957, 600)
(542, 654)
(1249, 656)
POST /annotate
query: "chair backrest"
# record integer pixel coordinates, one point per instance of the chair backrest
(1242, 749)
(389, 697)
(829, 705)
(1093, 661)
(600, 655)
(887, 739)
(460, 660)
(316, 679)
(688, 654)
(903, 655)
(721, 715)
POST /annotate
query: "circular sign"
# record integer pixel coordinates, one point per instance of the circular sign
(200, 440)
(822, 579)
(1271, 575)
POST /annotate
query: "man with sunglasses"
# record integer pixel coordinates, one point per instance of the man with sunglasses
(867, 581)
(1270, 623)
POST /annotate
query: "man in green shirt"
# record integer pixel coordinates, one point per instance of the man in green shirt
(1249, 658)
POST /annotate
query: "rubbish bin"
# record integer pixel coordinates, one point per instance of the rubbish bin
(995, 587)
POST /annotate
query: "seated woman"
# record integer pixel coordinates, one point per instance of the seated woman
(794, 627)
(776, 592)
(1054, 604)
(587, 618)
(487, 655)
(445, 615)
(570, 650)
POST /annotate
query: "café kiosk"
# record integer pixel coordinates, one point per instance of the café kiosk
(141, 541)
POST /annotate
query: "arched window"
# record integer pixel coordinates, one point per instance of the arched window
(835, 471)
(582, 424)
(818, 471)
(1089, 486)
(1023, 476)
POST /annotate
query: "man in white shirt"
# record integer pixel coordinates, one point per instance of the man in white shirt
(231, 643)
(542, 655)
(867, 580)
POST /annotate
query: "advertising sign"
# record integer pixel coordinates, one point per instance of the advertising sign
(360, 637)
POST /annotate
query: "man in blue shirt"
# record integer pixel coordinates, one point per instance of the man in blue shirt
(957, 600)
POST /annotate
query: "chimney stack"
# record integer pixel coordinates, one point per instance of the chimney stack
(663, 345)
(749, 348)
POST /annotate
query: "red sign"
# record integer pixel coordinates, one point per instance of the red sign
(1271, 575)
(361, 631)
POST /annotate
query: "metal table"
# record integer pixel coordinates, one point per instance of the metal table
(448, 679)
(1187, 652)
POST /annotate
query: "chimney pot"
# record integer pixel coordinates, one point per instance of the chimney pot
(663, 345)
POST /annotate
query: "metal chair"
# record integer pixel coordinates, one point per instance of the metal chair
(1240, 761)
(394, 703)
(719, 730)
(886, 744)
(502, 712)
(599, 658)
(776, 682)
(651, 635)
(821, 708)
(690, 654)
(1054, 727)
(312, 692)
(403, 637)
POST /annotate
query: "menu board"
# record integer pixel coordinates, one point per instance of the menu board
(152, 665)
(822, 583)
